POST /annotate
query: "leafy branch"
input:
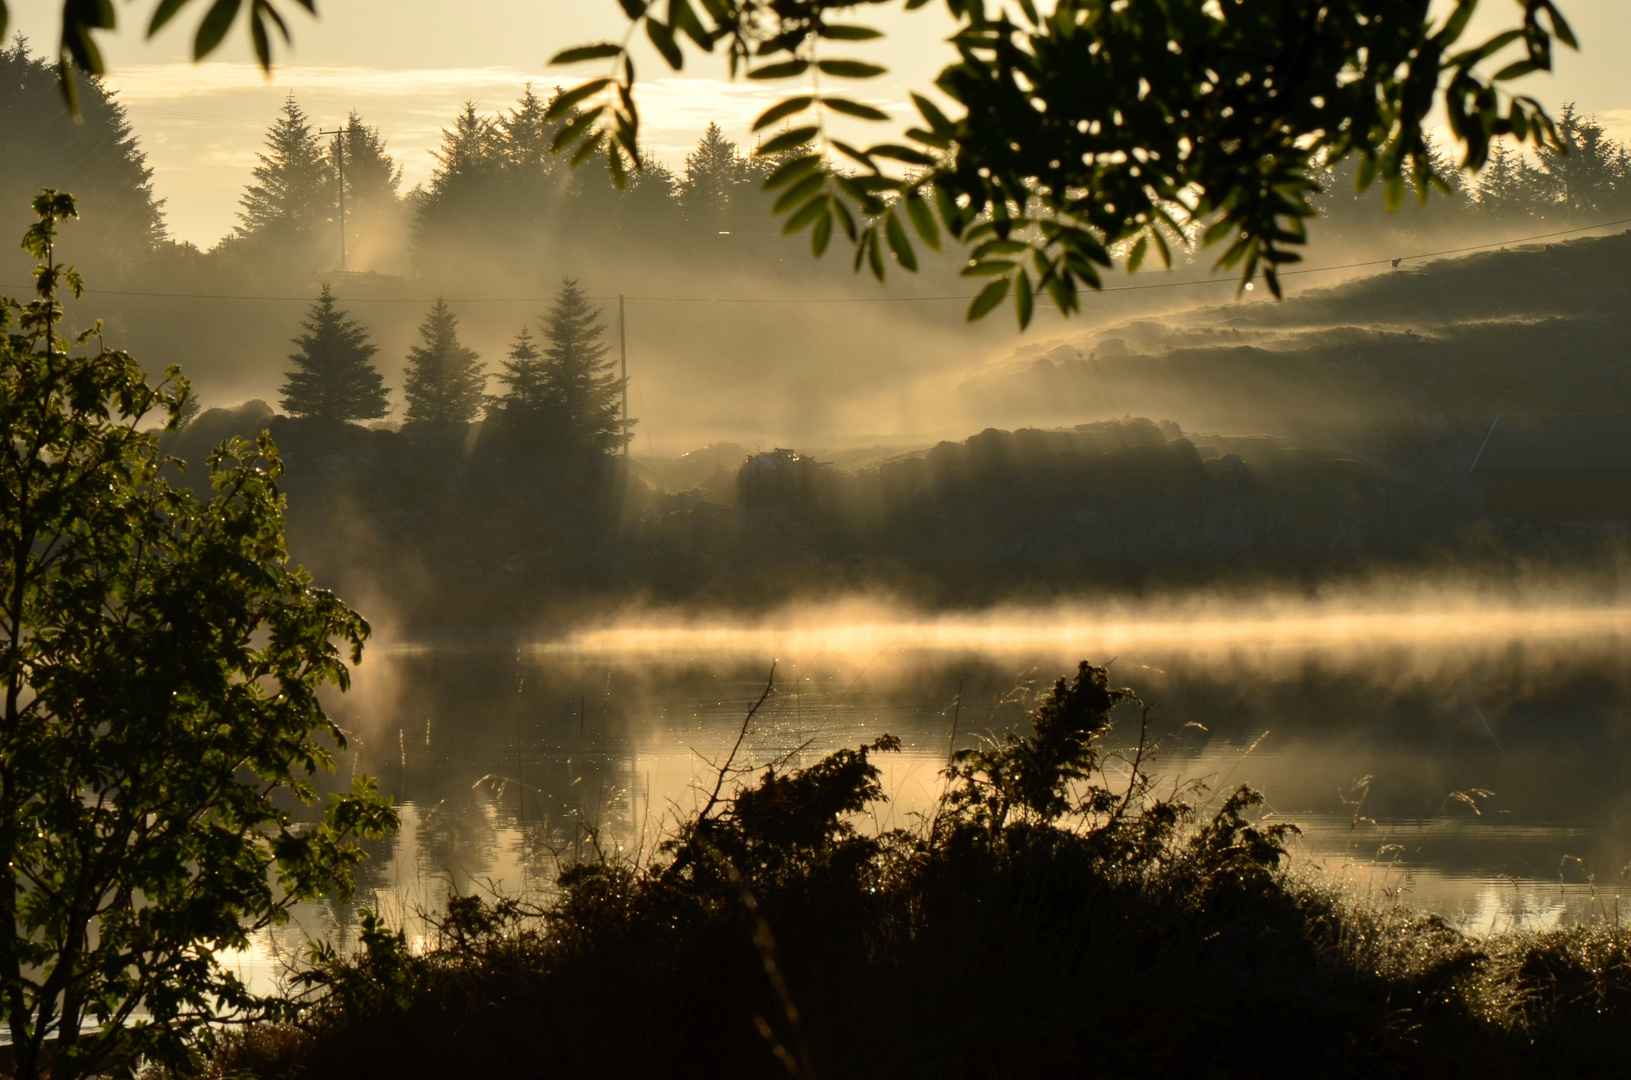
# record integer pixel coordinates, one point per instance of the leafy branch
(1102, 126)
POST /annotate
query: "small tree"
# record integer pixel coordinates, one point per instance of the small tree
(333, 378)
(444, 380)
(161, 659)
(581, 392)
(523, 375)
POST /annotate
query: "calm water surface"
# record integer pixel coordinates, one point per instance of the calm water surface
(1463, 758)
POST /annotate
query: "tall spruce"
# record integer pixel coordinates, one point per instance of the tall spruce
(286, 210)
(714, 173)
(334, 378)
(581, 391)
(444, 380)
(373, 204)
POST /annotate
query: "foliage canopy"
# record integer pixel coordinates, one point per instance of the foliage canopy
(1099, 127)
(160, 659)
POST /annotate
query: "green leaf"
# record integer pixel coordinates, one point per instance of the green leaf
(929, 138)
(258, 38)
(990, 296)
(784, 70)
(806, 214)
(923, 219)
(781, 110)
(634, 9)
(162, 14)
(586, 52)
(821, 235)
(846, 220)
(789, 171)
(1393, 192)
(217, 21)
(896, 152)
(683, 18)
(799, 192)
(854, 108)
(662, 36)
(1024, 301)
(572, 132)
(1001, 247)
(1365, 176)
(1135, 258)
(264, 8)
(855, 154)
(987, 268)
(564, 103)
(791, 139)
(936, 119)
(850, 69)
(843, 32)
(895, 233)
(590, 147)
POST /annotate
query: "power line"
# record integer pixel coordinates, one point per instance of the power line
(848, 299)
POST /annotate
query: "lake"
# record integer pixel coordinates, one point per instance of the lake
(1446, 749)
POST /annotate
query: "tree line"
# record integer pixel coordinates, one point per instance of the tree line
(1518, 188)
(498, 190)
(561, 392)
(496, 184)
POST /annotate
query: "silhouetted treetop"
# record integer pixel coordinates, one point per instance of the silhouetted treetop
(443, 383)
(333, 377)
(581, 391)
(288, 208)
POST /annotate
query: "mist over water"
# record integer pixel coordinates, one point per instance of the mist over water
(1450, 747)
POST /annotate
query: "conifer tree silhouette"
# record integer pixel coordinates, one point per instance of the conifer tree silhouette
(580, 391)
(334, 378)
(444, 381)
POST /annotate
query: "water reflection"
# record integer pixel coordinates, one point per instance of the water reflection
(1482, 775)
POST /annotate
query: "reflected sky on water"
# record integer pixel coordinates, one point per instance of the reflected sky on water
(1456, 755)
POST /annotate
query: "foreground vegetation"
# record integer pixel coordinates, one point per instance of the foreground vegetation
(1046, 920)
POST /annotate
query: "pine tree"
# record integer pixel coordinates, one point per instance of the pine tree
(98, 159)
(333, 377)
(523, 375)
(581, 392)
(286, 210)
(373, 206)
(1508, 187)
(524, 135)
(713, 173)
(461, 203)
(444, 381)
(469, 151)
(1589, 178)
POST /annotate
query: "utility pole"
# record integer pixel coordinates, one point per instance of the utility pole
(339, 144)
(623, 351)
